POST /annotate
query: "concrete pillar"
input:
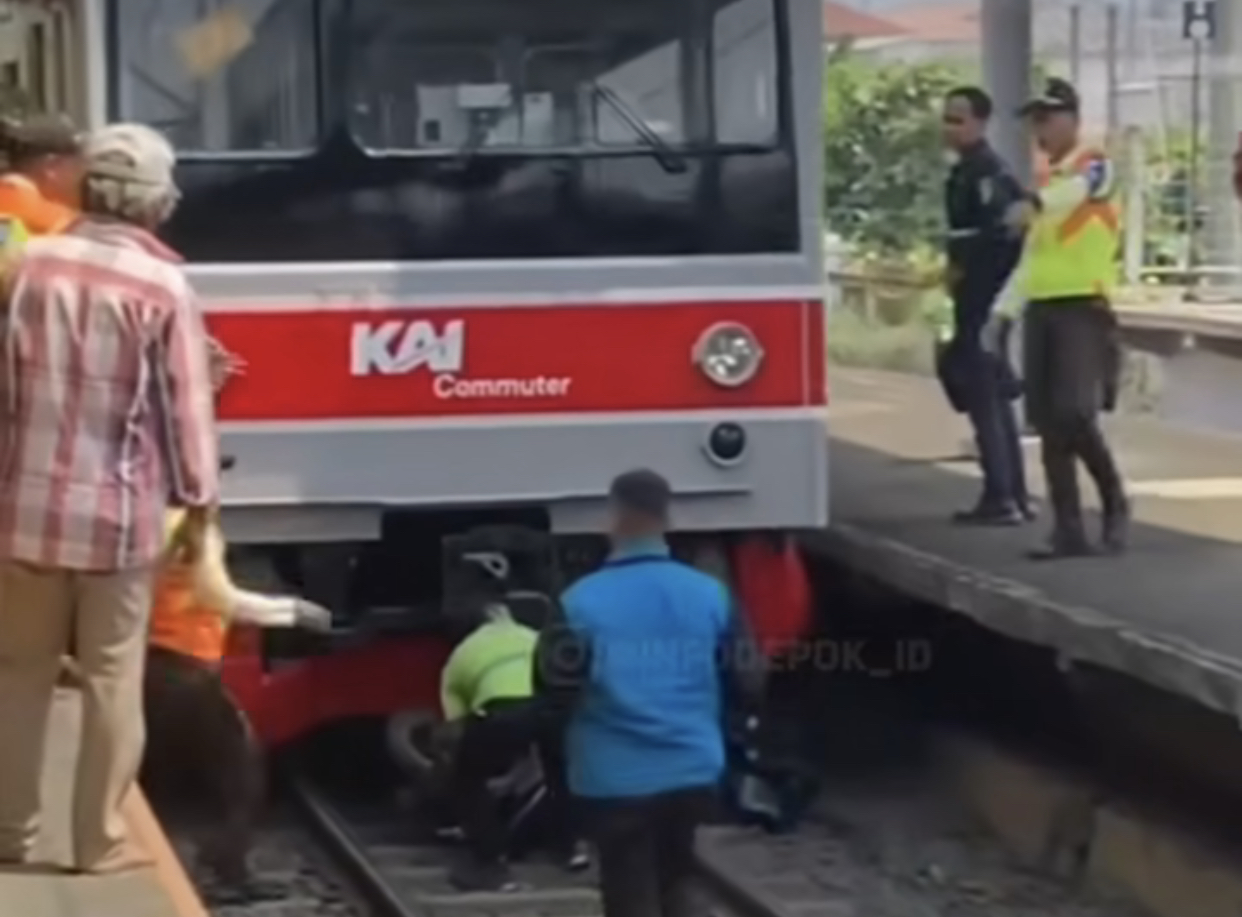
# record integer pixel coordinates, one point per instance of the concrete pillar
(1006, 39)
(1225, 120)
(1007, 63)
(90, 109)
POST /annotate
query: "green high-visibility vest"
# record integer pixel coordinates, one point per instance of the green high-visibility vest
(13, 238)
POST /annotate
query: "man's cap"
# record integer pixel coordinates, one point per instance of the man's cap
(130, 153)
(1058, 95)
(40, 135)
(643, 491)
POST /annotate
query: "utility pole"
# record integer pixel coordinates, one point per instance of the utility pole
(1007, 63)
(1224, 122)
(1133, 50)
(1075, 42)
(1112, 26)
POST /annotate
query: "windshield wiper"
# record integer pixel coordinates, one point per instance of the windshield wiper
(669, 159)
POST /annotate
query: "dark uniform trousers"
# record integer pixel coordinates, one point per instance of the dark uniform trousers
(492, 742)
(198, 736)
(645, 848)
(987, 390)
(1072, 360)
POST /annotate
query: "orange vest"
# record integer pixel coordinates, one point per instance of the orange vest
(20, 198)
(179, 624)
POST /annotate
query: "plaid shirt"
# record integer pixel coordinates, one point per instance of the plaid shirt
(107, 400)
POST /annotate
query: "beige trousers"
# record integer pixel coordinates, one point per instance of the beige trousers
(102, 620)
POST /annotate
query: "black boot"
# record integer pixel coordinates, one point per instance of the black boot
(990, 514)
(1064, 544)
(1102, 467)
(1116, 528)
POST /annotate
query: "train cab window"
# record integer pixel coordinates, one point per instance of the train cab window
(559, 74)
(243, 78)
(745, 72)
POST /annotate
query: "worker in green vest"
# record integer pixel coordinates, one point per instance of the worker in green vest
(487, 697)
(1062, 285)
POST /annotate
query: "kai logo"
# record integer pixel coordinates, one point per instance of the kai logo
(397, 347)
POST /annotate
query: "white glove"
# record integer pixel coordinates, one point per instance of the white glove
(1020, 215)
(993, 334)
(313, 617)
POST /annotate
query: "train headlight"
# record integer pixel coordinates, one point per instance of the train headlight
(729, 354)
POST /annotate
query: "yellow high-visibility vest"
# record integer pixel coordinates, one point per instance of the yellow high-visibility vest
(13, 235)
(1071, 245)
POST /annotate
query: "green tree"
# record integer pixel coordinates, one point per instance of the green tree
(883, 160)
(884, 164)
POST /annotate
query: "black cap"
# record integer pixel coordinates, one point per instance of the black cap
(40, 135)
(1058, 95)
(643, 491)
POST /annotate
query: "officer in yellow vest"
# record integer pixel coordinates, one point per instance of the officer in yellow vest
(1062, 286)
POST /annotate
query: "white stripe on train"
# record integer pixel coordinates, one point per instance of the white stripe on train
(810, 413)
(362, 301)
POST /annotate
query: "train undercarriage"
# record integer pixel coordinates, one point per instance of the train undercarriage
(397, 603)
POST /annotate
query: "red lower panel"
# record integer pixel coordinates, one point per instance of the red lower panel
(374, 680)
(404, 673)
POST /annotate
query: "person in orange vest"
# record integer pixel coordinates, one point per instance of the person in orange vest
(42, 185)
(195, 728)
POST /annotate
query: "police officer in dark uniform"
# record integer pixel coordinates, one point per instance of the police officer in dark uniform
(982, 251)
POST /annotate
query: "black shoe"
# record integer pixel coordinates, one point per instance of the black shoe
(1116, 535)
(984, 515)
(1063, 547)
(578, 859)
(471, 876)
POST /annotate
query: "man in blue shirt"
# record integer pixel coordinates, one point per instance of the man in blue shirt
(646, 660)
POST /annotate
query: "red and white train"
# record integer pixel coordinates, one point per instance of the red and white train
(480, 257)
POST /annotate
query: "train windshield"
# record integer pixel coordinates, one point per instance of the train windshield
(476, 129)
(428, 77)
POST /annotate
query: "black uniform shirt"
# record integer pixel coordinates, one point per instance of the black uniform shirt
(981, 250)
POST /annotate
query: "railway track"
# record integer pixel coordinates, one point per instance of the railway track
(890, 833)
(398, 871)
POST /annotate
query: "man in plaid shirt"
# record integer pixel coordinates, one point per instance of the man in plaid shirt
(106, 394)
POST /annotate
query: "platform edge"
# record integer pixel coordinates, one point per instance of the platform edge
(1025, 613)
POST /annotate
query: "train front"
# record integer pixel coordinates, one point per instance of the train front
(479, 257)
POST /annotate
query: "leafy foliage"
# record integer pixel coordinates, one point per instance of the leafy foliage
(884, 164)
(883, 160)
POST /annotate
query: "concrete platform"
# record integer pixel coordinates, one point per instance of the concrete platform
(1221, 320)
(1167, 613)
(162, 891)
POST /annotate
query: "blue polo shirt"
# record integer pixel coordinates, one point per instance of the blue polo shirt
(649, 717)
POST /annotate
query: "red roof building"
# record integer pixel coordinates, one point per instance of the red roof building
(844, 22)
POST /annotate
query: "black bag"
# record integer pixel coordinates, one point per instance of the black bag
(767, 786)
